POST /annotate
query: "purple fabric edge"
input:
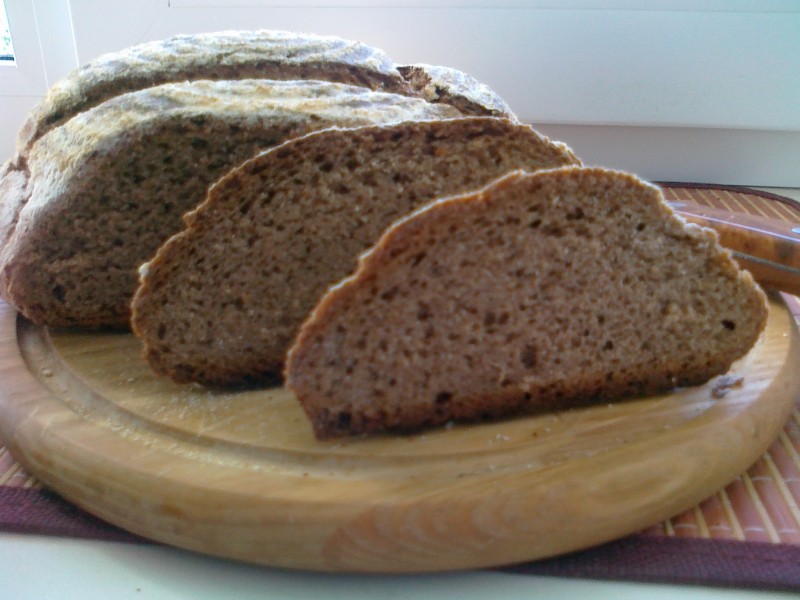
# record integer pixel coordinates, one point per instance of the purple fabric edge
(40, 511)
(640, 558)
(647, 558)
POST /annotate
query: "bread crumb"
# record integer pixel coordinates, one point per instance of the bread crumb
(725, 383)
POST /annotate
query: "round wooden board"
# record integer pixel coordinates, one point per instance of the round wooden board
(240, 475)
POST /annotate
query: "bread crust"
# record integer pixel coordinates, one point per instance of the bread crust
(230, 55)
(450, 86)
(223, 55)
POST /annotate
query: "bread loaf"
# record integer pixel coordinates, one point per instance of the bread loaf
(103, 190)
(541, 291)
(221, 301)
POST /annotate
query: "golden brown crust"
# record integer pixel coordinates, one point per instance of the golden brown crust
(540, 291)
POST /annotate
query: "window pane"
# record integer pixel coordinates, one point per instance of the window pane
(6, 48)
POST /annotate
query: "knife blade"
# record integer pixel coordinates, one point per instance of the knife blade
(767, 247)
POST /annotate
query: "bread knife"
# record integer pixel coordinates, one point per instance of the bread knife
(768, 248)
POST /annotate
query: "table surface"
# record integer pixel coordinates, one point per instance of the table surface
(47, 567)
(44, 567)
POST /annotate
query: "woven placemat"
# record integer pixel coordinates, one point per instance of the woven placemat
(746, 535)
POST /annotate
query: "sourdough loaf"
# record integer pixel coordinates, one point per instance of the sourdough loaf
(541, 291)
(221, 301)
(103, 190)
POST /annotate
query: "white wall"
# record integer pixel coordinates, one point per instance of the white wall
(671, 89)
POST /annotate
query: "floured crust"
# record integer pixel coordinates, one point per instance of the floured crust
(542, 291)
(262, 54)
(454, 87)
(259, 54)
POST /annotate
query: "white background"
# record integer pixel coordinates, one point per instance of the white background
(704, 90)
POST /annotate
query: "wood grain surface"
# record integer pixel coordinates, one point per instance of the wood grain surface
(240, 475)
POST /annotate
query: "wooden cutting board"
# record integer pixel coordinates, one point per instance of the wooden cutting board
(239, 474)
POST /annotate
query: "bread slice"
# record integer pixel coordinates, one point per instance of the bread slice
(221, 302)
(223, 55)
(101, 192)
(542, 291)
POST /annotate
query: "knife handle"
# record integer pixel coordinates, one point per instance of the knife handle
(768, 248)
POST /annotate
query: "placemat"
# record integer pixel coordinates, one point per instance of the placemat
(746, 535)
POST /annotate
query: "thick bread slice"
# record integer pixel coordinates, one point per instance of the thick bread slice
(107, 187)
(456, 88)
(262, 54)
(541, 291)
(222, 301)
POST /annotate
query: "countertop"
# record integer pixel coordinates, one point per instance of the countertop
(43, 568)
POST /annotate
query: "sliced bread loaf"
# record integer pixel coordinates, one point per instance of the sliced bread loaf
(101, 192)
(221, 301)
(541, 291)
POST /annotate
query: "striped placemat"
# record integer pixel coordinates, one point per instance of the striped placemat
(747, 534)
(763, 504)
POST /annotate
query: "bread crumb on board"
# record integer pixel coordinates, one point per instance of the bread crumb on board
(725, 383)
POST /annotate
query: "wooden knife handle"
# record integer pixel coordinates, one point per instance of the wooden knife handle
(768, 248)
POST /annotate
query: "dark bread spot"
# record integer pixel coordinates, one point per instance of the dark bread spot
(443, 397)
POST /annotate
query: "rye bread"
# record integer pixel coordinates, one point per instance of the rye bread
(542, 291)
(221, 302)
(102, 191)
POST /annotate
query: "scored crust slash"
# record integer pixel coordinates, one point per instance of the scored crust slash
(114, 155)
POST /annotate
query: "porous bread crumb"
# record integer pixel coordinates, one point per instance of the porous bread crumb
(222, 300)
(726, 383)
(542, 291)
